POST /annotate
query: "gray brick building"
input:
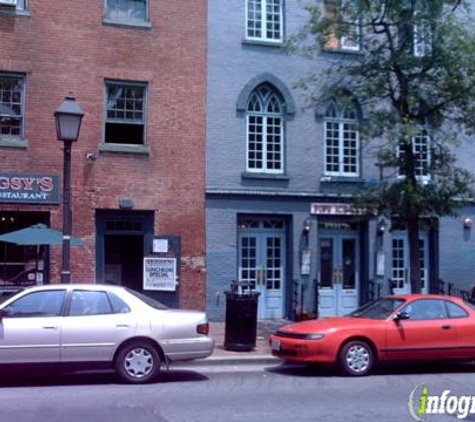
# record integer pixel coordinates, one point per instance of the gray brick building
(280, 177)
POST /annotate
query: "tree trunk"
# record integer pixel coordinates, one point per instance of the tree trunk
(412, 215)
(414, 255)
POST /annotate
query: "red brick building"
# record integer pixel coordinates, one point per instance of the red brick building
(138, 70)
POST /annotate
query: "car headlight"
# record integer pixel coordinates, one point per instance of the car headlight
(314, 336)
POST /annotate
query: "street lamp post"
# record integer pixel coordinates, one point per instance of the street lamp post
(68, 118)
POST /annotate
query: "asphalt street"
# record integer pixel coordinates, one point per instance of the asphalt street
(218, 393)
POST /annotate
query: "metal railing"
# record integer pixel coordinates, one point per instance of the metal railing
(451, 290)
(374, 290)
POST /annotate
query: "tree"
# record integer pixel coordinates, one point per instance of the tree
(414, 75)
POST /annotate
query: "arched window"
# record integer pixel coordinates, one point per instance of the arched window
(265, 130)
(342, 144)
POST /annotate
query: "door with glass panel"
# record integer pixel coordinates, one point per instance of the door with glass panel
(338, 272)
(400, 269)
(262, 262)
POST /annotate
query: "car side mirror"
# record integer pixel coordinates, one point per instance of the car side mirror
(401, 316)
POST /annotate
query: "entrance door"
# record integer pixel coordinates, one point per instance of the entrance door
(123, 239)
(338, 274)
(261, 263)
(400, 262)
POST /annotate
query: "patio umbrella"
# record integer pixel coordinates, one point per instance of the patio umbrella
(38, 234)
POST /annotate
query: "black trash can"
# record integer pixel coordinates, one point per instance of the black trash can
(241, 318)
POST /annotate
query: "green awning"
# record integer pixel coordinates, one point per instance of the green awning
(38, 234)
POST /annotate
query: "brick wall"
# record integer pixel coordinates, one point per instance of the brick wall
(64, 46)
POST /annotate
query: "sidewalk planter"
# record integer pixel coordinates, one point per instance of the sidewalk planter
(241, 320)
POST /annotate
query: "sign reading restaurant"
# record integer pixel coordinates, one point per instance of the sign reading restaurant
(29, 188)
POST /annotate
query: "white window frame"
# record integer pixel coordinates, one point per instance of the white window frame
(346, 42)
(143, 85)
(421, 36)
(264, 22)
(424, 178)
(341, 122)
(146, 20)
(265, 167)
(18, 6)
(400, 273)
(422, 39)
(23, 99)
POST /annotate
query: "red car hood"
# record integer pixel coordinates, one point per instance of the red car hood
(325, 324)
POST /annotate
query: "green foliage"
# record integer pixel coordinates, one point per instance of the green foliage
(400, 90)
(414, 69)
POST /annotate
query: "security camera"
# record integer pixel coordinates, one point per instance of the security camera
(91, 156)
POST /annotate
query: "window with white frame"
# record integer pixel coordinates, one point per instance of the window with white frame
(345, 33)
(12, 101)
(422, 157)
(12, 6)
(21, 5)
(264, 20)
(400, 259)
(342, 144)
(422, 39)
(125, 114)
(127, 11)
(265, 131)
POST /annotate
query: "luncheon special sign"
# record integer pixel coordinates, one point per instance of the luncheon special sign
(159, 274)
(29, 188)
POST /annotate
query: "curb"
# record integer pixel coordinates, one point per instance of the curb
(231, 360)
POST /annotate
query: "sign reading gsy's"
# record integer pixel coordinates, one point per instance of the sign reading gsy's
(29, 188)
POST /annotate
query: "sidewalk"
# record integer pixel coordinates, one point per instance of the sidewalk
(264, 329)
(260, 354)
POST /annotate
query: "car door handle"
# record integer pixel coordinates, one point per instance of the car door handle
(122, 325)
(50, 327)
(446, 327)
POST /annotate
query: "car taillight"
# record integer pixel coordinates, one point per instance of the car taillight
(202, 329)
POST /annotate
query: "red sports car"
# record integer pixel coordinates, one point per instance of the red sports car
(394, 328)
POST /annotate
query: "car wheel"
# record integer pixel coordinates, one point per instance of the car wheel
(138, 363)
(356, 358)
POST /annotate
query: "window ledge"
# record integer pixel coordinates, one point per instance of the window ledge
(13, 143)
(263, 43)
(125, 148)
(341, 179)
(14, 12)
(269, 176)
(125, 24)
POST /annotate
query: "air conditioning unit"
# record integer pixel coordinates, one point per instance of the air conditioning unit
(8, 3)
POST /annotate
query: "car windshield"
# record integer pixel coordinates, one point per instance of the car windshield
(378, 309)
(148, 300)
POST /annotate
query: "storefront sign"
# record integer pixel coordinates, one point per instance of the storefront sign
(160, 245)
(336, 226)
(29, 188)
(334, 209)
(159, 274)
(380, 264)
(306, 261)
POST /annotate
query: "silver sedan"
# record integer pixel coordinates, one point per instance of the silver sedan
(99, 324)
